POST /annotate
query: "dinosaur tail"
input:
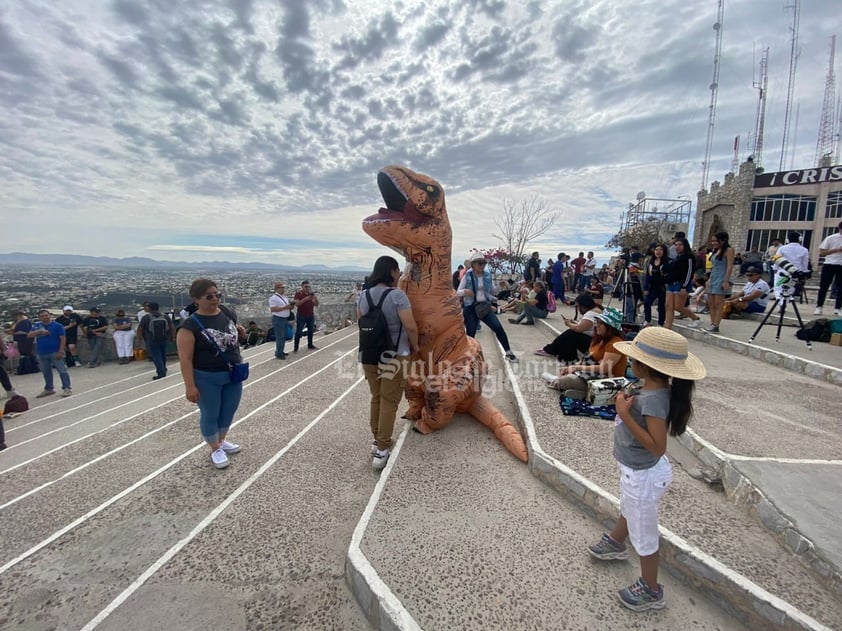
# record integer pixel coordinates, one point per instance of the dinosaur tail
(484, 411)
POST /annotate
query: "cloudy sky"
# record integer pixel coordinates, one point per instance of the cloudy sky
(252, 130)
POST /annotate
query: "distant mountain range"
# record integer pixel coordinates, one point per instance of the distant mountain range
(26, 259)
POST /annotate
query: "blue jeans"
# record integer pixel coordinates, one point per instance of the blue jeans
(530, 312)
(219, 399)
(301, 322)
(95, 344)
(158, 353)
(279, 326)
(47, 363)
(472, 322)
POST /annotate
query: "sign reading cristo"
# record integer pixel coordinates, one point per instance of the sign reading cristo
(803, 176)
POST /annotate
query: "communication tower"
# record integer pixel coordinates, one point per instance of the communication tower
(824, 144)
(714, 89)
(735, 163)
(794, 53)
(760, 118)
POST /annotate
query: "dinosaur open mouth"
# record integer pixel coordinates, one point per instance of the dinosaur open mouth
(398, 205)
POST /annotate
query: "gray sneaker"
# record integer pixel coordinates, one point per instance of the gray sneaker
(606, 549)
(711, 329)
(66, 392)
(44, 393)
(638, 596)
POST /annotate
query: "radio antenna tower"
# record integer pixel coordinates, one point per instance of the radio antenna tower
(795, 135)
(794, 53)
(735, 163)
(714, 89)
(760, 119)
(824, 144)
(838, 137)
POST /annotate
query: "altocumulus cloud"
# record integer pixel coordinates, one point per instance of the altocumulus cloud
(155, 120)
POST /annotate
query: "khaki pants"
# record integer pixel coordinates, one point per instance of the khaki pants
(386, 392)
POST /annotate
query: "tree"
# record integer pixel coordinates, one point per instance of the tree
(641, 235)
(499, 258)
(520, 223)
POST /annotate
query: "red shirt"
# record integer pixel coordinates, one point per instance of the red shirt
(578, 264)
(305, 309)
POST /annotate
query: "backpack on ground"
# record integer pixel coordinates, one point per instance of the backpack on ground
(375, 338)
(159, 328)
(27, 365)
(16, 405)
(551, 305)
(817, 330)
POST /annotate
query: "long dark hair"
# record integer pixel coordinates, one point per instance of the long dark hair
(722, 237)
(688, 251)
(382, 272)
(681, 400)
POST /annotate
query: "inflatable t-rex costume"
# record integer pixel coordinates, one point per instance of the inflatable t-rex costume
(449, 368)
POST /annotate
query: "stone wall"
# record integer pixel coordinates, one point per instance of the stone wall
(727, 207)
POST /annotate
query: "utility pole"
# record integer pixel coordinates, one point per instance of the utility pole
(824, 144)
(760, 118)
(714, 90)
(794, 52)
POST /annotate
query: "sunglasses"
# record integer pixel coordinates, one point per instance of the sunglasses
(216, 296)
(480, 263)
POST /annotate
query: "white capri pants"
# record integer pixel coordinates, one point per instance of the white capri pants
(640, 491)
(124, 341)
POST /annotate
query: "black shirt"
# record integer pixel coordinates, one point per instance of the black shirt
(72, 332)
(224, 332)
(92, 323)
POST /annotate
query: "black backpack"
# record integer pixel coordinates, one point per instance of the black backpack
(817, 330)
(159, 328)
(374, 331)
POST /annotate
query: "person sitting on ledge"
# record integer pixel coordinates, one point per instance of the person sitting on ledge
(573, 343)
(603, 360)
(534, 307)
(753, 298)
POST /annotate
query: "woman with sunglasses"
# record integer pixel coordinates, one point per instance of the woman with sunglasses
(205, 371)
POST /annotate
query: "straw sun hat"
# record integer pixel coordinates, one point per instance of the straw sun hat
(665, 351)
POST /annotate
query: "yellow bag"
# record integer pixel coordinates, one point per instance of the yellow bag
(139, 354)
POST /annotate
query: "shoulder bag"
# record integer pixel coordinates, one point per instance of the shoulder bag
(482, 309)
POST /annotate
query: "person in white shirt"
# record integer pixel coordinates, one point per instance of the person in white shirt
(280, 308)
(831, 250)
(796, 254)
(755, 294)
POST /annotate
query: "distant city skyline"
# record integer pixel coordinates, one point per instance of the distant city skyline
(252, 131)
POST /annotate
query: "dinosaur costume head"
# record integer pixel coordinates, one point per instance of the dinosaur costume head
(414, 221)
(449, 367)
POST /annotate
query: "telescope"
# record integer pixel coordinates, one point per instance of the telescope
(788, 268)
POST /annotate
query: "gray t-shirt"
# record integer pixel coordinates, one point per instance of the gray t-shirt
(396, 301)
(626, 449)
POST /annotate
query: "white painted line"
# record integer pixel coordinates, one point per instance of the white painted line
(209, 519)
(398, 614)
(722, 456)
(61, 532)
(120, 422)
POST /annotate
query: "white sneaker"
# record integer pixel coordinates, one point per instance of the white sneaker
(818, 311)
(229, 448)
(373, 447)
(837, 312)
(550, 379)
(380, 459)
(694, 324)
(219, 459)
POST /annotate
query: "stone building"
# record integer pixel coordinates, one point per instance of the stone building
(755, 208)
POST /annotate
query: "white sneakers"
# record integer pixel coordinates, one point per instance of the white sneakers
(380, 459)
(229, 448)
(550, 379)
(818, 311)
(219, 457)
(694, 324)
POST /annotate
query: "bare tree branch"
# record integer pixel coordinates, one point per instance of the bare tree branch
(522, 222)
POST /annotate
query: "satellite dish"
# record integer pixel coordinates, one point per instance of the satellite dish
(641, 195)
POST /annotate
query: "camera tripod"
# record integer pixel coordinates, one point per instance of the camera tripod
(785, 297)
(627, 294)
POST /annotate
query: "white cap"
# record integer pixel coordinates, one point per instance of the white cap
(67, 308)
(477, 256)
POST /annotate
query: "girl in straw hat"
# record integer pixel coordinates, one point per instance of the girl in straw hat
(660, 358)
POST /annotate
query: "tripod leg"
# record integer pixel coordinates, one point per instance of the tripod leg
(765, 318)
(781, 318)
(801, 326)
